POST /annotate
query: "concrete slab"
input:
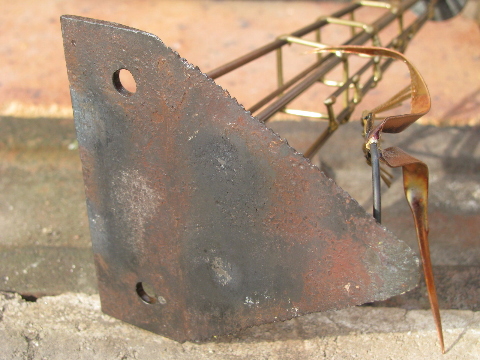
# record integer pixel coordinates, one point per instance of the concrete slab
(45, 242)
(47, 270)
(71, 326)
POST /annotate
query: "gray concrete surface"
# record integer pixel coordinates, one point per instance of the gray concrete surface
(45, 250)
(45, 244)
(71, 326)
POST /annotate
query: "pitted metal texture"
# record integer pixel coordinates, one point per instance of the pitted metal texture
(203, 221)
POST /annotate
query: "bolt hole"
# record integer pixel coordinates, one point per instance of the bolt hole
(146, 293)
(124, 82)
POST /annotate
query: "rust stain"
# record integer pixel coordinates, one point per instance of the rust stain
(190, 194)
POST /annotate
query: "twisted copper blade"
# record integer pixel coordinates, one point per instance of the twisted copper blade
(415, 183)
(188, 193)
(415, 172)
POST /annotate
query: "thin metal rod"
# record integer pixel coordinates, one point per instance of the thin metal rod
(274, 45)
(377, 203)
(255, 54)
(319, 142)
(330, 63)
(285, 86)
(297, 78)
(287, 97)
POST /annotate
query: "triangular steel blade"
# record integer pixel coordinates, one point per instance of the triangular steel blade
(187, 192)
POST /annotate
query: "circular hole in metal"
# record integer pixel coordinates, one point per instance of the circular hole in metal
(124, 82)
(146, 293)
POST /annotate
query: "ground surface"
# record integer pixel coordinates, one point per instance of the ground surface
(71, 326)
(45, 249)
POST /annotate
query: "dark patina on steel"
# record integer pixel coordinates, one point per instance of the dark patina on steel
(189, 193)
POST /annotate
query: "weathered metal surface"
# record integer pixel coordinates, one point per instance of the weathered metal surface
(190, 194)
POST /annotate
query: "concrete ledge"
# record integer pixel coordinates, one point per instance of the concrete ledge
(72, 326)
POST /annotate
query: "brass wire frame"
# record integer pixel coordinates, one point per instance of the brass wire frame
(287, 91)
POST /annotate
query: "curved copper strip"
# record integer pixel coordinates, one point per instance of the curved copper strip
(420, 100)
(415, 183)
(415, 172)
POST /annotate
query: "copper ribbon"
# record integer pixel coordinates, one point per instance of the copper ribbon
(415, 172)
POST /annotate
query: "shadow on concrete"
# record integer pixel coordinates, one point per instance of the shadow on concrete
(465, 107)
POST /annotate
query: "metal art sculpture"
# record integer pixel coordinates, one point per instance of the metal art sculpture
(204, 221)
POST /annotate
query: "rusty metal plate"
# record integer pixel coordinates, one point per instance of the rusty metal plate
(229, 225)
